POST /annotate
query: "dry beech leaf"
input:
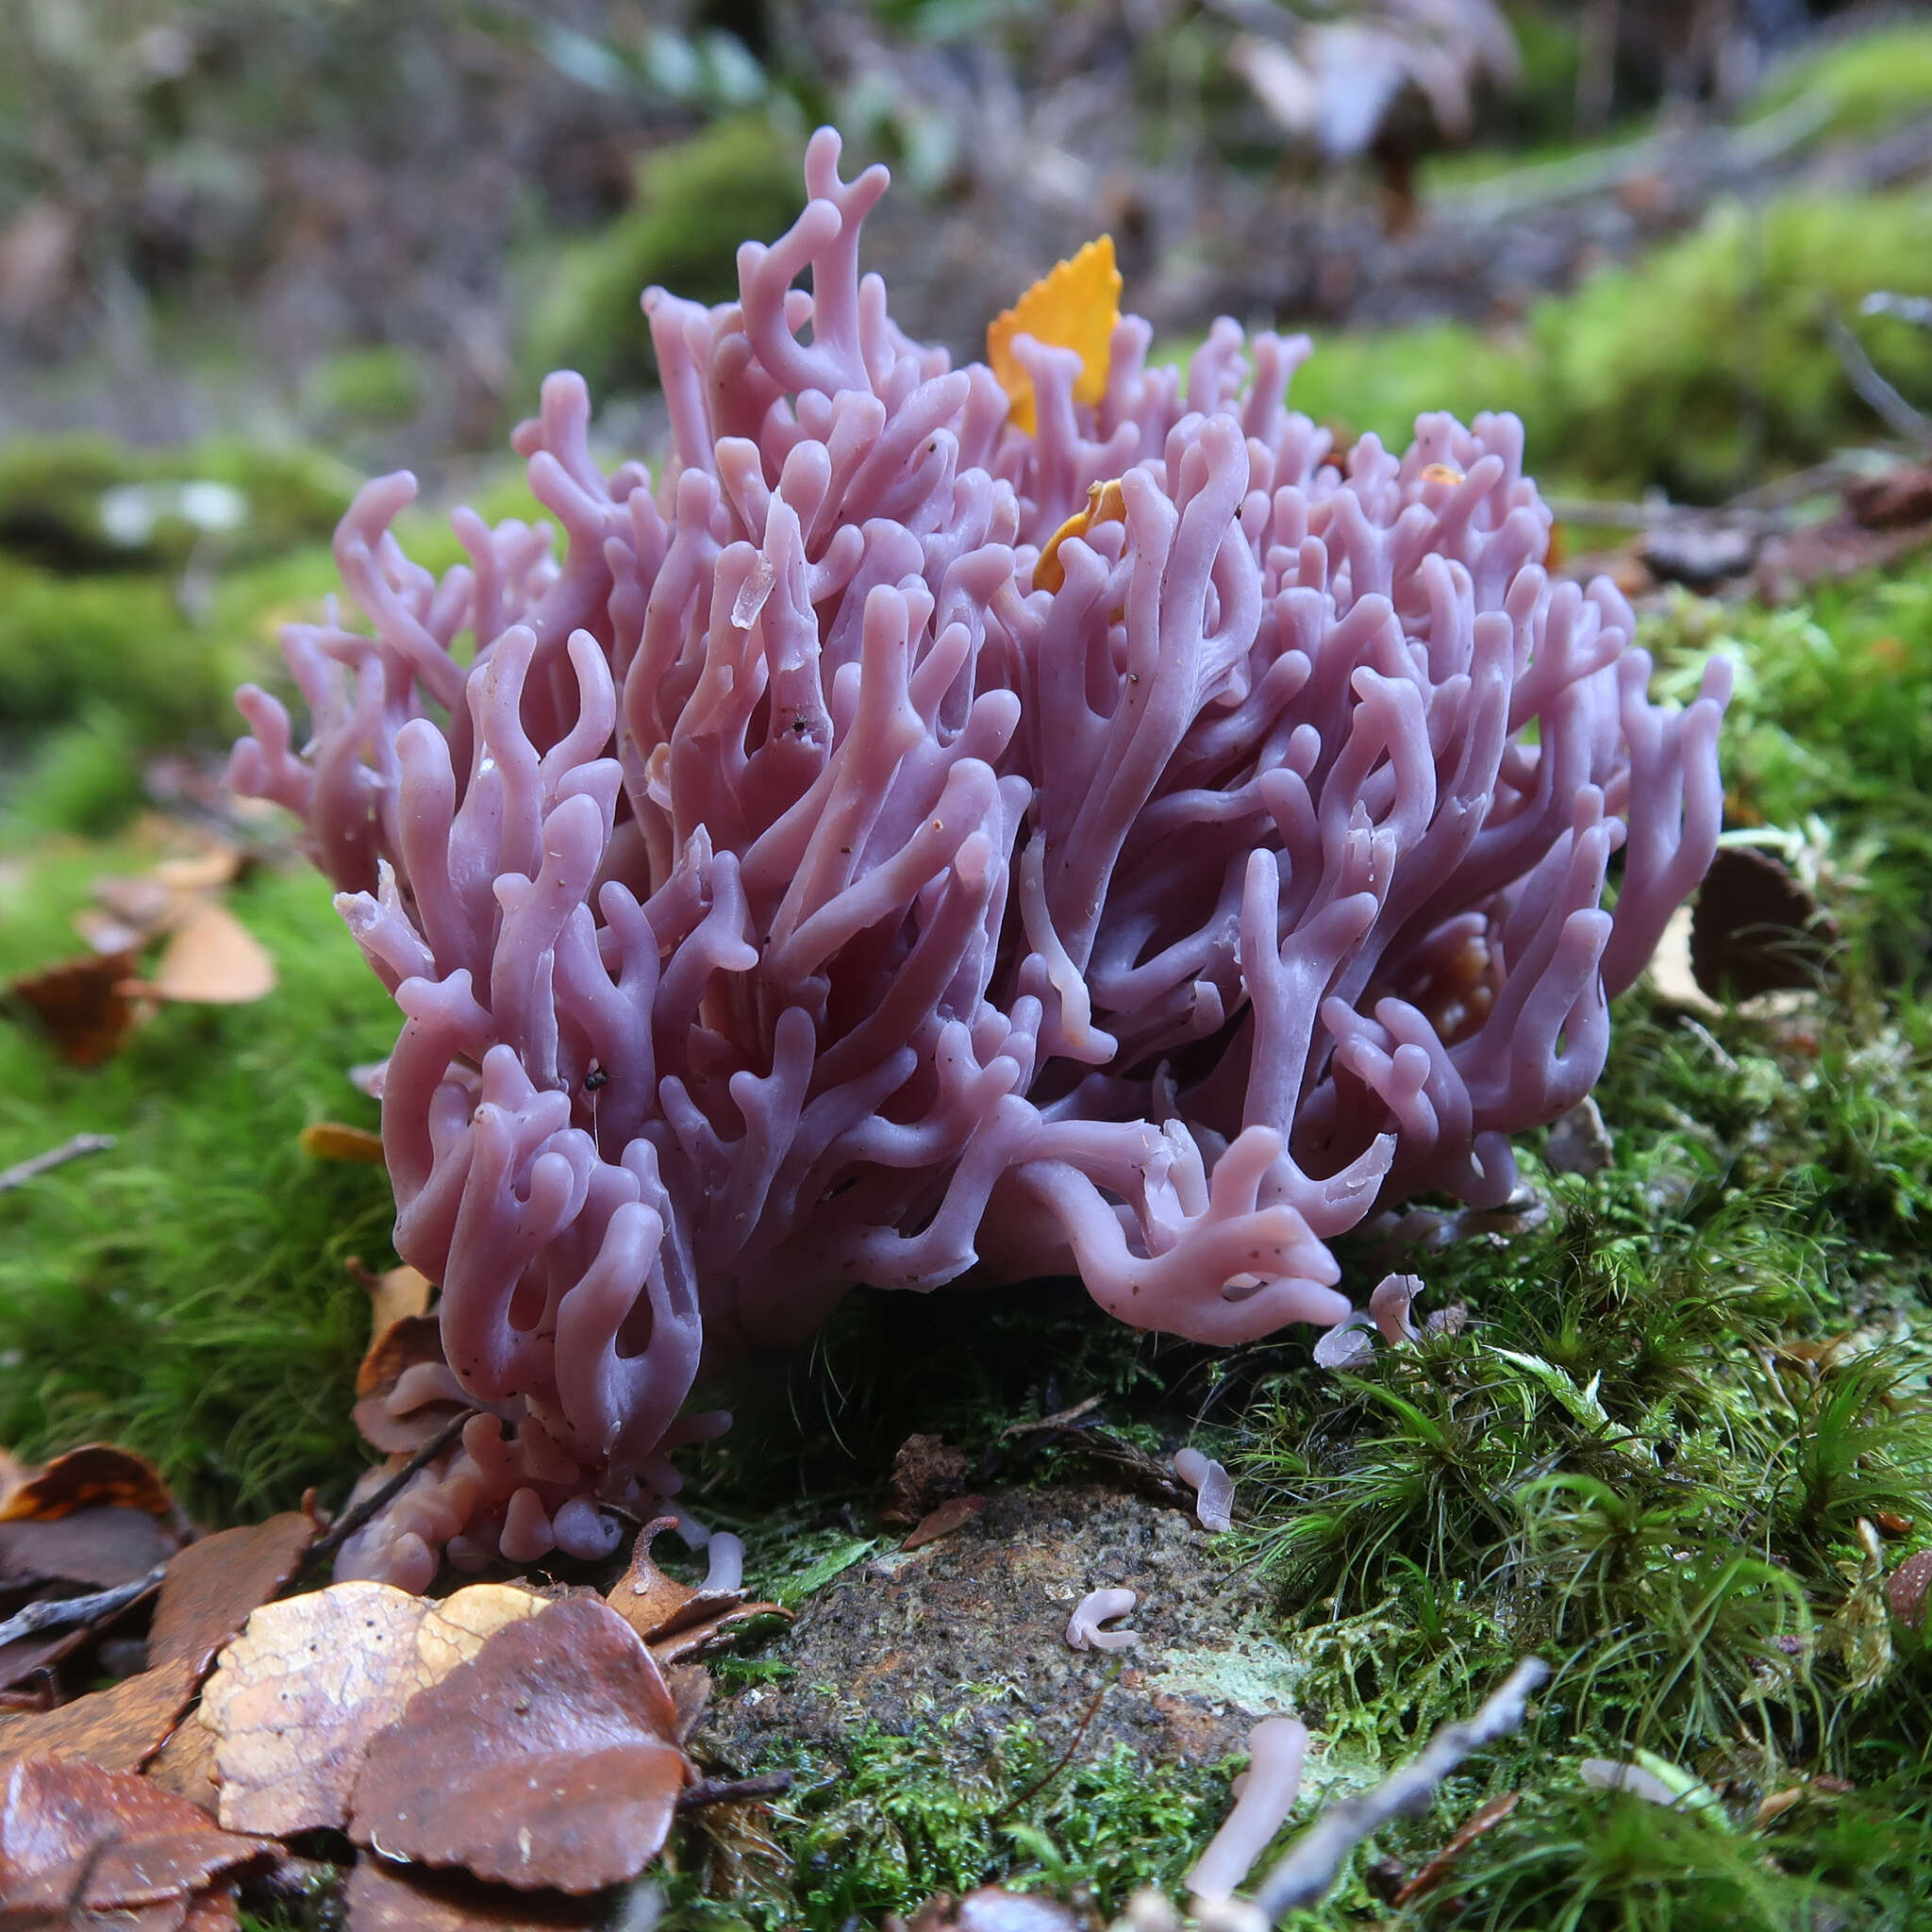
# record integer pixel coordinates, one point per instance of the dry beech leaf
(943, 1520)
(98, 1548)
(689, 1641)
(83, 1841)
(212, 958)
(82, 1003)
(546, 1761)
(1670, 976)
(212, 1585)
(94, 1474)
(185, 1764)
(298, 1695)
(119, 1728)
(336, 1141)
(691, 1690)
(394, 1295)
(209, 869)
(382, 1897)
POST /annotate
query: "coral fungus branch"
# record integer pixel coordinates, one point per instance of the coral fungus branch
(840, 863)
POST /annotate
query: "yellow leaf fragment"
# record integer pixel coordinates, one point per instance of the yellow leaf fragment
(298, 1695)
(1105, 504)
(1075, 306)
(212, 959)
(335, 1140)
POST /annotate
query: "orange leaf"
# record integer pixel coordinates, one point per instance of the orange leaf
(1075, 306)
(332, 1140)
(1105, 504)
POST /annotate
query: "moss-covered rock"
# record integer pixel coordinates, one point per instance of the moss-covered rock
(90, 503)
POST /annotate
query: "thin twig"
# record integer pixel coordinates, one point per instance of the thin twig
(351, 1521)
(24, 1171)
(1900, 417)
(1315, 1859)
(1066, 1756)
(728, 1791)
(62, 1611)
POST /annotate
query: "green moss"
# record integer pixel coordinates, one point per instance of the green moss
(696, 200)
(1659, 372)
(1869, 80)
(84, 502)
(891, 1822)
(185, 1292)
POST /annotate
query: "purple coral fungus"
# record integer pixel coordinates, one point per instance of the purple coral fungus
(783, 889)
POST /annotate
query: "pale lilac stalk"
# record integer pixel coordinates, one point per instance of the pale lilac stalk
(781, 893)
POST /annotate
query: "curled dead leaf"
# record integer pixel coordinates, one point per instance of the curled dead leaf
(548, 1761)
(298, 1695)
(95, 1474)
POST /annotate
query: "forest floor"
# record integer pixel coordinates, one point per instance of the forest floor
(1678, 1443)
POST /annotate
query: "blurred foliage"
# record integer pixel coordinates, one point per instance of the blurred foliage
(737, 180)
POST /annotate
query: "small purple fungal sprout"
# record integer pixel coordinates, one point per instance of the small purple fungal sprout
(797, 884)
(1096, 1608)
(1212, 1486)
(1264, 1796)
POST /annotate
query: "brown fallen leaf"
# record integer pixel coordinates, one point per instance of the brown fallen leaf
(297, 1696)
(334, 1141)
(548, 1760)
(212, 958)
(82, 1003)
(1480, 1822)
(404, 1388)
(95, 1547)
(213, 1586)
(119, 1728)
(93, 1475)
(385, 1897)
(689, 1641)
(644, 1596)
(678, 1622)
(185, 1764)
(395, 1293)
(82, 1841)
(691, 1690)
(944, 1521)
(1755, 927)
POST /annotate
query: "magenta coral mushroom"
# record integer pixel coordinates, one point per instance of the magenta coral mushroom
(788, 894)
